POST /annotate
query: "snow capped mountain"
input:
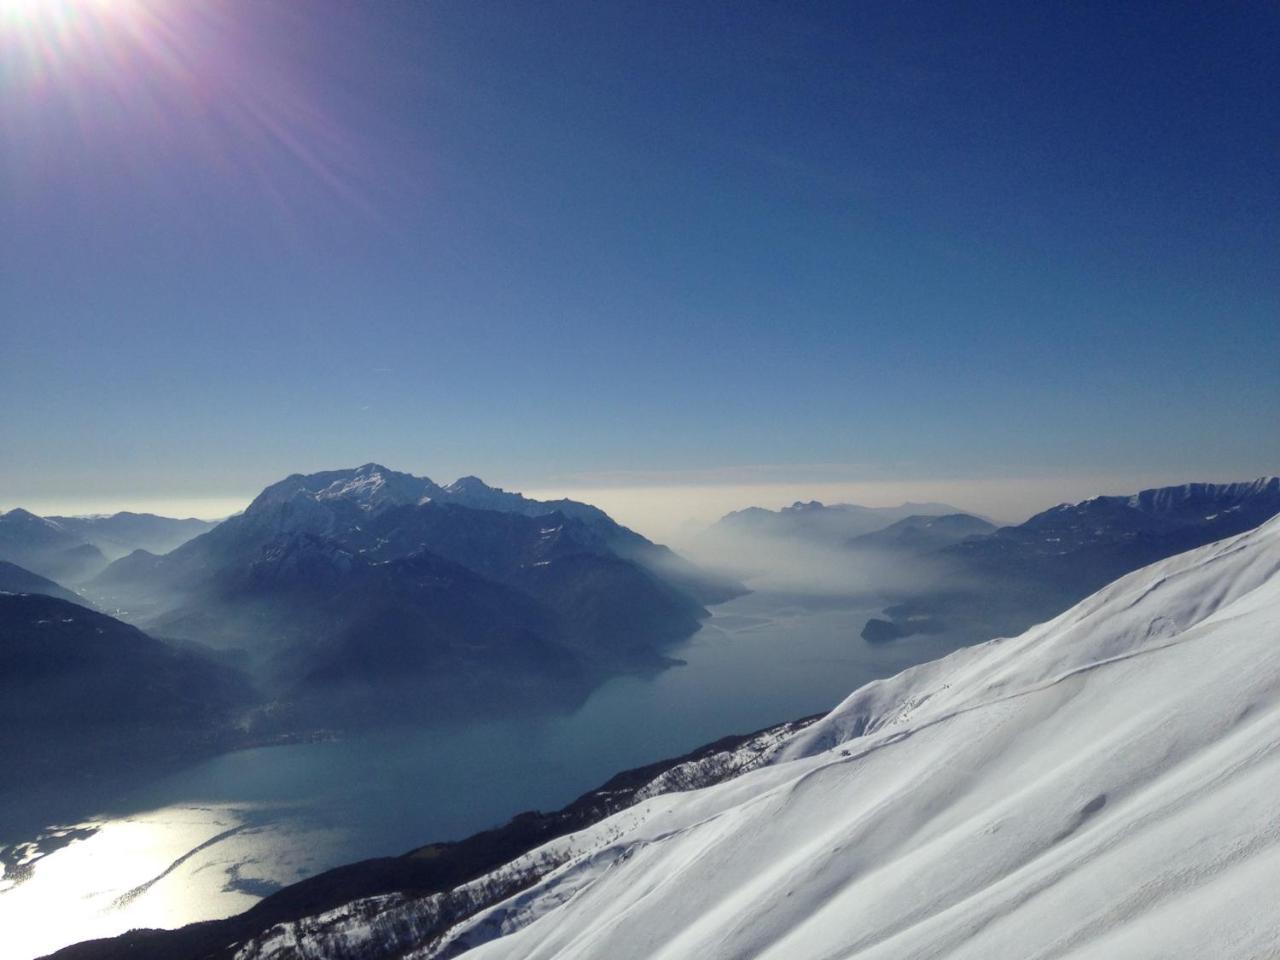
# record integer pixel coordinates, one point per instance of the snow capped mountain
(1103, 785)
(371, 488)
(1163, 511)
(1187, 498)
(320, 502)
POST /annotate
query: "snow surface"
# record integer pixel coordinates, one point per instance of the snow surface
(1104, 785)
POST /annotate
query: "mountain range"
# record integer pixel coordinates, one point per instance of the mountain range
(1005, 580)
(816, 523)
(352, 590)
(118, 534)
(70, 550)
(44, 547)
(934, 568)
(1098, 786)
(811, 549)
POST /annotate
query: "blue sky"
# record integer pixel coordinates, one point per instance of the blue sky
(574, 245)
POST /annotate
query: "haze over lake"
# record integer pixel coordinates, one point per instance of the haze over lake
(276, 814)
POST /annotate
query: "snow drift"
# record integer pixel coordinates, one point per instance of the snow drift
(1105, 785)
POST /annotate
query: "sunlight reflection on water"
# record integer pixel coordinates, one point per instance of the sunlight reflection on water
(156, 869)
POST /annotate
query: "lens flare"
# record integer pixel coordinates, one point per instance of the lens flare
(41, 35)
(19, 11)
(136, 89)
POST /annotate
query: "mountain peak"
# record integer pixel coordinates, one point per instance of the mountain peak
(371, 487)
(18, 513)
(471, 484)
(23, 522)
(807, 505)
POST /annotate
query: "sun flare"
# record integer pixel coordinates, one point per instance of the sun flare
(43, 37)
(52, 14)
(27, 9)
(132, 80)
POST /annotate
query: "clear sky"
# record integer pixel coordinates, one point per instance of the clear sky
(626, 245)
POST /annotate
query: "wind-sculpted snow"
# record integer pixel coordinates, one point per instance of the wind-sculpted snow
(1105, 785)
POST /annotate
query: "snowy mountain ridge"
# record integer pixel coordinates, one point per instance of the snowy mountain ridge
(1164, 498)
(1102, 785)
(373, 488)
(1180, 501)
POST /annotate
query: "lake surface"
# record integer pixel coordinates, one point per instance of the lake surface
(212, 839)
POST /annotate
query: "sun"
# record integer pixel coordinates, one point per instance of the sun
(42, 40)
(21, 8)
(48, 25)
(124, 77)
(34, 12)
(59, 22)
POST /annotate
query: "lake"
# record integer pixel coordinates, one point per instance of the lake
(212, 839)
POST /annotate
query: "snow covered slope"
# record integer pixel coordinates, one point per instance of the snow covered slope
(1105, 785)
